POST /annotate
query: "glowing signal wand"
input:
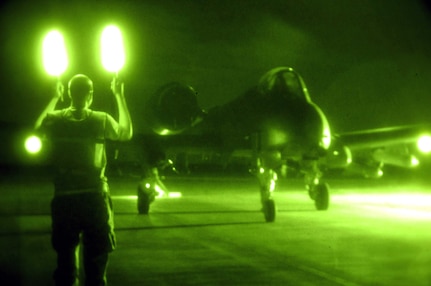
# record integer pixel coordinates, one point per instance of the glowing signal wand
(55, 59)
(113, 57)
(55, 62)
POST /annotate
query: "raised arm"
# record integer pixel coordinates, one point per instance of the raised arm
(125, 128)
(58, 93)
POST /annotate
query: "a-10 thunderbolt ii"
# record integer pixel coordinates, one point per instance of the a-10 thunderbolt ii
(274, 124)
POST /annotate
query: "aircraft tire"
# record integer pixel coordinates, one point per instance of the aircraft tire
(269, 210)
(143, 202)
(321, 200)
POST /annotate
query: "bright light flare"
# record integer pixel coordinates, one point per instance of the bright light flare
(33, 144)
(55, 59)
(113, 57)
(412, 200)
(170, 195)
(414, 161)
(402, 205)
(160, 192)
(424, 143)
(175, 195)
(326, 138)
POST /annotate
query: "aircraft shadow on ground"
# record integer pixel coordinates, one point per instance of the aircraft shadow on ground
(189, 225)
(215, 222)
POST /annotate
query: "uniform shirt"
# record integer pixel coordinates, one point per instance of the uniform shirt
(77, 148)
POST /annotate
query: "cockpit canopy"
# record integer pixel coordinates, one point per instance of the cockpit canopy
(285, 82)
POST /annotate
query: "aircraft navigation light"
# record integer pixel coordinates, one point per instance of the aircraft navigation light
(414, 161)
(54, 54)
(164, 132)
(326, 138)
(424, 143)
(113, 57)
(33, 144)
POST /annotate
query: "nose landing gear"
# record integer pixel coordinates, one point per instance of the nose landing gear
(318, 191)
(267, 180)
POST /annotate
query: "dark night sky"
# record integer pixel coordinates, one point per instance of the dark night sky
(367, 63)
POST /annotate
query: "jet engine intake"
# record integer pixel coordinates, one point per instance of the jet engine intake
(337, 158)
(173, 109)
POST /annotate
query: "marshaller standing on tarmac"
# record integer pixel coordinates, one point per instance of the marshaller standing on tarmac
(81, 204)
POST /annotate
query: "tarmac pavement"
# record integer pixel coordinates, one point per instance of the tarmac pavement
(375, 233)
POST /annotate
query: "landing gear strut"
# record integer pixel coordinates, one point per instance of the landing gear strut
(267, 180)
(146, 195)
(318, 191)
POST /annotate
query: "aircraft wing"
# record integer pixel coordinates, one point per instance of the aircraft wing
(377, 138)
(370, 150)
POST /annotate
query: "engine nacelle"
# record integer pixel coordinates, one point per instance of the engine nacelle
(173, 109)
(367, 171)
(395, 158)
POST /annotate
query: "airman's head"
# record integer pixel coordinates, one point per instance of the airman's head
(80, 89)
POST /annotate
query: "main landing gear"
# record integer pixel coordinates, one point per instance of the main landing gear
(146, 195)
(269, 210)
(318, 192)
(149, 188)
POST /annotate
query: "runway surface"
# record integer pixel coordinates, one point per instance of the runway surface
(375, 233)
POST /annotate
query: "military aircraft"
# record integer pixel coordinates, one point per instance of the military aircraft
(275, 124)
